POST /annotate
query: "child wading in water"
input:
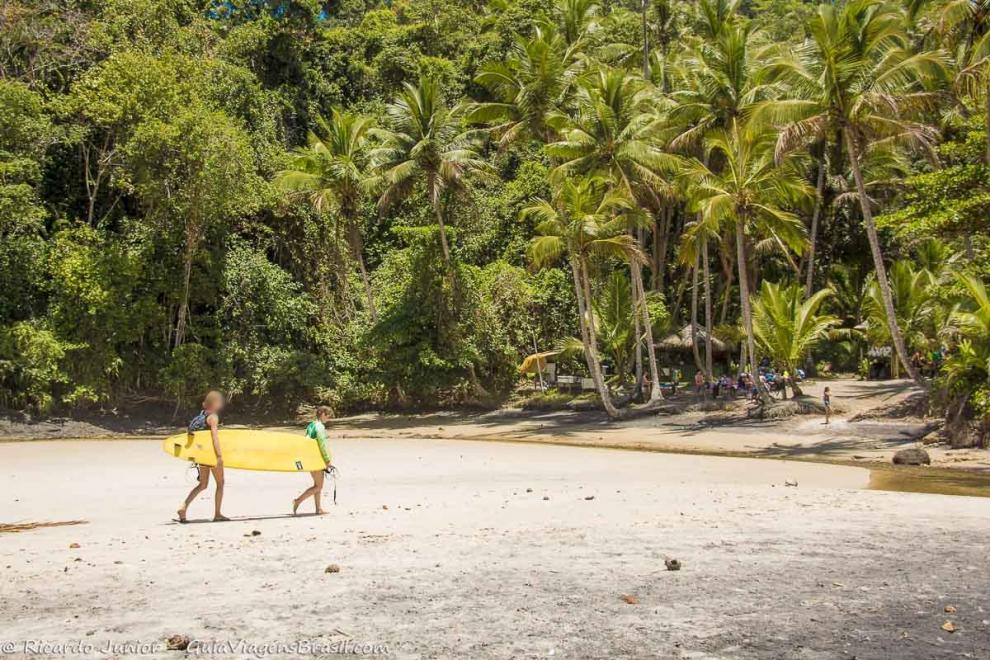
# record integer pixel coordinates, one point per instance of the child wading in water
(208, 418)
(827, 402)
(317, 430)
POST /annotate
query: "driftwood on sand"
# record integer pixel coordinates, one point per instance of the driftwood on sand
(13, 528)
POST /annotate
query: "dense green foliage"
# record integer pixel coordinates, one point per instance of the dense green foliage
(376, 203)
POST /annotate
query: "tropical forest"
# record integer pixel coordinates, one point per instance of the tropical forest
(391, 205)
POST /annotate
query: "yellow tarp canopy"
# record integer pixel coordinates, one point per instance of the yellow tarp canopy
(536, 362)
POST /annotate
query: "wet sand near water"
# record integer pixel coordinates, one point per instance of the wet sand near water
(470, 549)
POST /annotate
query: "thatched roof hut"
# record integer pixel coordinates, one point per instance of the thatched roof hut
(681, 341)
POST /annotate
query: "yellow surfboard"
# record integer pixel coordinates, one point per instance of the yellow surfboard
(249, 450)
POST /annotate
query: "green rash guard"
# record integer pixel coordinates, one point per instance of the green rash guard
(318, 432)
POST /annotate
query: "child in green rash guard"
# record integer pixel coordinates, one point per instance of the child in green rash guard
(317, 430)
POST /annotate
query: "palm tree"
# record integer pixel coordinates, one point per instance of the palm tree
(613, 311)
(748, 193)
(331, 173)
(583, 220)
(528, 89)
(966, 374)
(694, 251)
(576, 18)
(715, 15)
(938, 258)
(848, 283)
(913, 291)
(972, 318)
(614, 135)
(720, 78)
(963, 26)
(788, 326)
(856, 80)
(424, 144)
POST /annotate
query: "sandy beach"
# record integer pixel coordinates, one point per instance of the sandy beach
(872, 426)
(876, 421)
(471, 549)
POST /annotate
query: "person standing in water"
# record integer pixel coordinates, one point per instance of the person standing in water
(827, 402)
(208, 418)
(317, 431)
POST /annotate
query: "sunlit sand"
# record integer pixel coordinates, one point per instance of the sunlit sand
(468, 549)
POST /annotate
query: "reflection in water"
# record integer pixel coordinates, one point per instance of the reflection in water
(930, 480)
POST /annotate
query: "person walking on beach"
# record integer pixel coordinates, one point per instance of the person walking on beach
(827, 402)
(208, 418)
(317, 430)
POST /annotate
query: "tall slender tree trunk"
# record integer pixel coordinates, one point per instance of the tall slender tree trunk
(747, 311)
(646, 42)
(588, 338)
(871, 234)
(638, 337)
(813, 233)
(676, 318)
(358, 252)
(593, 338)
(729, 279)
(443, 232)
(708, 310)
(655, 392)
(694, 316)
(660, 248)
(182, 318)
(987, 155)
(342, 269)
(636, 300)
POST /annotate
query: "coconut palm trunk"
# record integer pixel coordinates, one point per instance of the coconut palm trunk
(882, 282)
(438, 212)
(588, 337)
(987, 155)
(694, 316)
(813, 233)
(744, 304)
(189, 254)
(643, 311)
(180, 323)
(729, 272)
(709, 371)
(661, 238)
(634, 296)
(357, 250)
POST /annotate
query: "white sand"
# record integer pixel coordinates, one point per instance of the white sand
(465, 563)
(728, 432)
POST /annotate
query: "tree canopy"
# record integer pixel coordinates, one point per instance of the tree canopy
(382, 203)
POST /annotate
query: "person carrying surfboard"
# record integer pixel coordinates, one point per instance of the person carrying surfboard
(317, 430)
(208, 418)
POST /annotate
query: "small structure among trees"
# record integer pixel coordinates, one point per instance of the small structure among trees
(677, 347)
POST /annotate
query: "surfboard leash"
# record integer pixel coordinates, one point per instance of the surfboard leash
(332, 472)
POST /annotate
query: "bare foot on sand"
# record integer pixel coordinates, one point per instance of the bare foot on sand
(182, 515)
(320, 512)
(221, 518)
(295, 506)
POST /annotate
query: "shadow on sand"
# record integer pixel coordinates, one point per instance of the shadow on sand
(236, 519)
